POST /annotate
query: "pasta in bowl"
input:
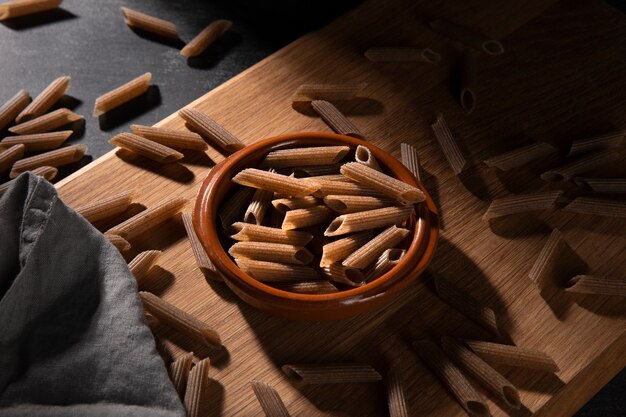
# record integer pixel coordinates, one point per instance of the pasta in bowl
(333, 225)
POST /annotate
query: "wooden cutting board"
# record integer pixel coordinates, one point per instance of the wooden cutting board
(561, 78)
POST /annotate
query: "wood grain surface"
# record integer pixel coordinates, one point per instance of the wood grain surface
(560, 79)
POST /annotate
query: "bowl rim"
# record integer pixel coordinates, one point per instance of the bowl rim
(205, 209)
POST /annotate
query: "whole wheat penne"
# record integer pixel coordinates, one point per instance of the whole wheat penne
(149, 218)
(602, 185)
(329, 92)
(106, 207)
(18, 8)
(385, 262)
(298, 157)
(335, 119)
(142, 21)
(609, 141)
(581, 165)
(396, 401)
(469, 37)
(46, 123)
(523, 203)
(310, 216)
(340, 373)
(278, 183)
(591, 284)
(56, 158)
(42, 103)
(396, 189)
(10, 155)
(307, 287)
(202, 259)
(122, 94)
(258, 233)
(466, 304)
(521, 156)
(330, 187)
(271, 252)
(206, 37)
(46, 172)
(179, 372)
(13, 107)
(368, 253)
(261, 201)
(173, 138)
(39, 141)
(283, 205)
(344, 204)
(452, 378)
(597, 207)
(499, 354)
(315, 171)
(448, 145)
(410, 159)
(366, 220)
(402, 54)
(196, 396)
(546, 258)
(178, 320)
(118, 241)
(467, 92)
(141, 264)
(210, 129)
(481, 371)
(269, 399)
(334, 177)
(340, 249)
(341, 274)
(276, 272)
(364, 155)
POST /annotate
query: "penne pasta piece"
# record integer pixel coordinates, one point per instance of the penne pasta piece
(18, 8)
(38, 141)
(310, 216)
(448, 145)
(149, 218)
(142, 21)
(141, 264)
(499, 354)
(271, 181)
(298, 157)
(271, 252)
(206, 37)
(179, 372)
(395, 395)
(196, 397)
(368, 253)
(307, 287)
(522, 203)
(210, 129)
(344, 275)
(46, 123)
(609, 141)
(335, 177)
(335, 119)
(363, 155)
(122, 94)
(396, 189)
(261, 201)
(9, 156)
(467, 95)
(276, 272)
(315, 171)
(202, 259)
(469, 37)
(402, 54)
(411, 160)
(340, 249)
(257, 233)
(106, 207)
(269, 399)
(234, 205)
(581, 165)
(329, 92)
(42, 103)
(602, 185)
(329, 187)
(589, 284)
(467, 305)
(56, 158)
(344, 204)
(118, 241)
(521, 156)
(546, 258)
(452, 378)
(13, 107)
(283, 205)
(385, 262)
(177, 319)
(597, 207)
(46, 172)
(340, 373)
(366, 220)
(173, 138)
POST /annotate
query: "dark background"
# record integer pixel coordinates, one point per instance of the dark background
(88, 40)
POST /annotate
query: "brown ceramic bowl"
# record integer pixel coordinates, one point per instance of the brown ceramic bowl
(311, 307)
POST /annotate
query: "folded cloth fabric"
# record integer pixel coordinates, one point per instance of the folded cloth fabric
(73, 339)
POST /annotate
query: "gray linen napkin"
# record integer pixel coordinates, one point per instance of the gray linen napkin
(73, 340)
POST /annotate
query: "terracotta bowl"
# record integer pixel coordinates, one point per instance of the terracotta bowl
(311, 307)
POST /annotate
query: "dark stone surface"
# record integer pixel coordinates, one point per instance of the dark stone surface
(88, 40)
